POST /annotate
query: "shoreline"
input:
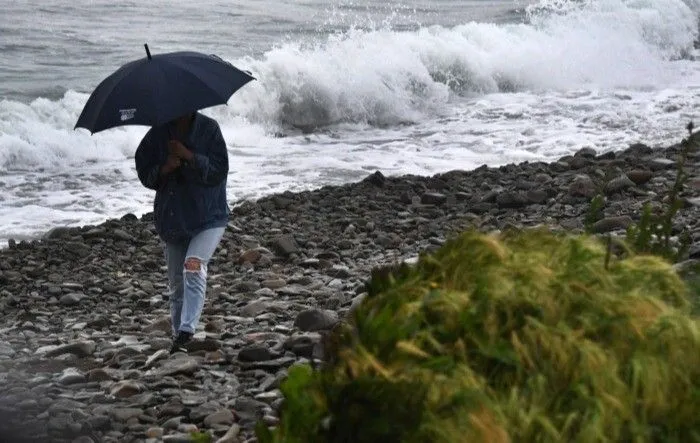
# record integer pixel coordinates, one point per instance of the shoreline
(84, 330)
(58, 228)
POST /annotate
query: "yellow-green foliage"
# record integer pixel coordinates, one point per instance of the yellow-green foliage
(200, 437)
(521, 337)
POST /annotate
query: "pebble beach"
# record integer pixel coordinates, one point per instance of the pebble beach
(85, 329)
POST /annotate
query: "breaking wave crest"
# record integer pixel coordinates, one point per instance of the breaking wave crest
(385, 77)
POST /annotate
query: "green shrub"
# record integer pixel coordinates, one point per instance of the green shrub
(522, 337)
(200, 437)
(653, 234)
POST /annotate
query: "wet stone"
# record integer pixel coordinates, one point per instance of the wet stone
(71, 299)
(315, 320)
(79, 349)
(124, 414)
(255, 353)
(71, 376)
(220, 417)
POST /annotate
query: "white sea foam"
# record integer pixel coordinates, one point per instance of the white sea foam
(384, 77)
(601, 73)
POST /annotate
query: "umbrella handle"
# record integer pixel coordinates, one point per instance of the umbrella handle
(148, 51)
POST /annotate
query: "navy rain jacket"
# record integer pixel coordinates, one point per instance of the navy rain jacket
(192, 198)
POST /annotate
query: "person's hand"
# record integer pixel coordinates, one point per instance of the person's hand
(176, 148)
(172, 163)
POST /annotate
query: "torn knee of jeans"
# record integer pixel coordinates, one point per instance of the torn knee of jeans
(193, 264)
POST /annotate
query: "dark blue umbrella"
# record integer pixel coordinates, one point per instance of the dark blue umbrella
(156, 89)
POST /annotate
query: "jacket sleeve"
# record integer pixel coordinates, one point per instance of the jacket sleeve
(209, 167)
(147, 164)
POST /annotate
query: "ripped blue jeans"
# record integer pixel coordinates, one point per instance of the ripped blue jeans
(187, 287)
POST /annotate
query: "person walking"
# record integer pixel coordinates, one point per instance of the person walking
(186, 162)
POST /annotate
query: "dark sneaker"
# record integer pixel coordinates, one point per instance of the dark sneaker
(180, 342)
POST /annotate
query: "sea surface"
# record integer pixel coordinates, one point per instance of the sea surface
(343, 88)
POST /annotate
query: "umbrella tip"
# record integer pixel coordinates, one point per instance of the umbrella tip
(148, 51)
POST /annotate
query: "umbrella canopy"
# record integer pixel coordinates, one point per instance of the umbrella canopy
(156, 89)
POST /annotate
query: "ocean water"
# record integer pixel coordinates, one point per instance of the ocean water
(345, 87)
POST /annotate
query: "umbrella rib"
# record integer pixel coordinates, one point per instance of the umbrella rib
(121, 74)
(198, 79)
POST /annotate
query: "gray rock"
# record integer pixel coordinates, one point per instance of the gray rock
(179, 366)
(124, 414)
(98, 375)
(126, 389)
(193, 400)
(390, 240)
(357, 300)
(433, 198)
(537, 196)
(316, 320)
(158, 355)
(560, 166)
(586, 152)
(155, 432)
(579, 162)
(582, 186)
(511, 199)
(80, 349)
(198, 413)
(28, 403)
(269, 397)
(611, 224)
(231, 436)
(376, 179)
(71, 299)
(71, 376)
(77, 249)
(178, 438)
(270, 420)
(94, 233)
(693, 201)
(206, 345)
(250, 256)
(303, 344)
(256, 307)
(274, 283)
(618, 184)
(121, 234)
(658, 164)
(6, 350)
(126, 340)
(339, 271)
(173, 423)
(249, 408)
(255, 353)
(57, 233)
(64, 405)
(162, 325)
(640, 176)
(285, 244)
(62, 423)
(691, 265)
(97, 423)
(269, 365)
(266, 292)
(249, 241)
(220, 417)
(310, 263)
